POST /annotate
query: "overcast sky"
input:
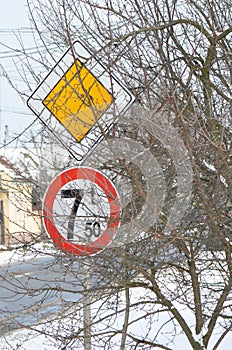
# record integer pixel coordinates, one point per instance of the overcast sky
(13, 112)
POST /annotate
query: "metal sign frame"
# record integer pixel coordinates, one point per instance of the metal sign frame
(122, 99)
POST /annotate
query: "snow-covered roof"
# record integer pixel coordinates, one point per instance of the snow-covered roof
(8, 167)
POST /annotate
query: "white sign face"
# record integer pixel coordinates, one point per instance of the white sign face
(79, 100)
(81, 211)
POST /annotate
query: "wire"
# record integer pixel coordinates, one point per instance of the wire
(17, 52)
(12, 31)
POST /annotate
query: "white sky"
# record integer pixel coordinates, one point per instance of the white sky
(13, 112)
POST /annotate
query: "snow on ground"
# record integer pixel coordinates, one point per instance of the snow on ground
(28, 340)
(20, 254)
(24, 339)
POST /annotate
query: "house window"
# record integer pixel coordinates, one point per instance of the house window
(35, 199)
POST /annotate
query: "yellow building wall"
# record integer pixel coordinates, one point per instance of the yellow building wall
(22, 224)
(4, 192)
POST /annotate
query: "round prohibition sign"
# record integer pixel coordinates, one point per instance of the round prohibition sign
(81, 211)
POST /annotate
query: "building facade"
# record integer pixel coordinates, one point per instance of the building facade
(20, 217)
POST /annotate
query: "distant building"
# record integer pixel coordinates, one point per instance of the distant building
(20, 217)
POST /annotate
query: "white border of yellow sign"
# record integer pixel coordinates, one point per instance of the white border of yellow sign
(79, 100)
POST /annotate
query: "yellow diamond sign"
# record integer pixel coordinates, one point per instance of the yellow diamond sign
(78, 100)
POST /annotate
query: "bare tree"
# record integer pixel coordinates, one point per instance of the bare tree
(175, 57)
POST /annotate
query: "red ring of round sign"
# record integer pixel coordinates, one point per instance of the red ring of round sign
(83, 173)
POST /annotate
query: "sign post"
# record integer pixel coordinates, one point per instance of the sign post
(79, 101)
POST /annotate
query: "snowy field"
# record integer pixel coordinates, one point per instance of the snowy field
(28, 340)
(24, 339)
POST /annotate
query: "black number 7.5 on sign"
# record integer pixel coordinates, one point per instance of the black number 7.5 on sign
(81, 211)
(91, 228)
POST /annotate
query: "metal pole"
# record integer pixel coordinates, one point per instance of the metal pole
(86, 310)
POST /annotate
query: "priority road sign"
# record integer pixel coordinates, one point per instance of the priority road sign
(81, 211)
(79, 100)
